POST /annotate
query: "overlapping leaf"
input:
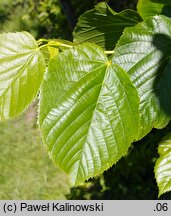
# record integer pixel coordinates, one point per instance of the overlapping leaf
(21, 72)
(147, 8)
(89, 112)
(53, 51)
(163, 165)
(103, 26)
(144, 51)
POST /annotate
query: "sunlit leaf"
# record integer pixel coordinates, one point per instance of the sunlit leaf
(22, 68)
(53, 51)
(163, 165)
(144, 51)
(147, 8)
(89, 112)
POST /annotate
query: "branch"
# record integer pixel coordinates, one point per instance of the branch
(69, 12)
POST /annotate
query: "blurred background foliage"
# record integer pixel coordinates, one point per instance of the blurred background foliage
(26, 171)
(49, 18)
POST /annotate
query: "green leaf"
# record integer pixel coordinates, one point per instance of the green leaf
(88, 113)
(163, 165)
(103, 26)
(50, 48)
(144, 51)
(53, 51)
(22, 68)
(147, 8)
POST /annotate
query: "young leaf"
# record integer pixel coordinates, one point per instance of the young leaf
(53, 51)
(21, 72)
(103, 26)
(89, 112)
(144, 51)
(163, 165)
(147, 8)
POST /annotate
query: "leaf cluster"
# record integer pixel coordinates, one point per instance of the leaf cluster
(98, 94)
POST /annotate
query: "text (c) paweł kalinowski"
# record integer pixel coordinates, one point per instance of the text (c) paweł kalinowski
(61, 207)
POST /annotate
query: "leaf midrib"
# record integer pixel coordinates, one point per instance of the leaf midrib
(66, 92)
(89, 128)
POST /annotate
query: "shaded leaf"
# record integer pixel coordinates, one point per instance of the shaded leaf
(46, 54)
(103, 26)
(144, 51)
(147, 8)
(22, 68)
(88, 112)
(163, 165)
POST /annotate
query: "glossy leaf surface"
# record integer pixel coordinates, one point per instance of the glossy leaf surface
(163, 165)
(144, 52)
(88, 113)
(147, 8)
(22, 68)
(103, 26)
